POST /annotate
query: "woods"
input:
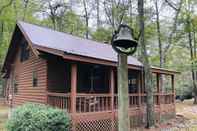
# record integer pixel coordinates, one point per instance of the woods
(166, 30)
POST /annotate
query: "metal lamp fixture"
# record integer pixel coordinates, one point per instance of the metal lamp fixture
(123, 41)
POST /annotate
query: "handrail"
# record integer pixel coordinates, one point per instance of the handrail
(58, 94)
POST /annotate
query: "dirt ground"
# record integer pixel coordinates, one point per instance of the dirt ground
(186, 118)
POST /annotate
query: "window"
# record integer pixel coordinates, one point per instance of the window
(24, 51)
(15, 85)
(133, 81)
(35, 79)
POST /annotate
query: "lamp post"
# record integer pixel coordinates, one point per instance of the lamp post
(124, 44)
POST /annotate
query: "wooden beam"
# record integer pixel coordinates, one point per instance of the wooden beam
(73, 87)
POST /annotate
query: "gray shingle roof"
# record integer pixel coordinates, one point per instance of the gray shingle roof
(49, 38)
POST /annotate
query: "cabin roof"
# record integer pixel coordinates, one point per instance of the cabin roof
(70, 44)
(51, 41)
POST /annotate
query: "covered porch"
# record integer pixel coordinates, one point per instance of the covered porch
(89, 93)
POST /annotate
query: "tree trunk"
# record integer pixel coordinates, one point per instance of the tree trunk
(159, 35)
(26, 2)
(86, 18)
(195, 73)
(98, 13)
(161, 57)
(192, 58)
(147, 71)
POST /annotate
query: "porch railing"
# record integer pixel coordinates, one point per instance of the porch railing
(59, 100)
(133, 100)
(102, 102)
(167, 98)
(93, 102)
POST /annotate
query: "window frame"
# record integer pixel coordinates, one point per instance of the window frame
(25, 51)
(34, 79)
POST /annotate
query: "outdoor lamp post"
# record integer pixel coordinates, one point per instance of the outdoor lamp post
(124, 44)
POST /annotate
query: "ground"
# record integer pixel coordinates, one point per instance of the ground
(3, 116)
(186, 118)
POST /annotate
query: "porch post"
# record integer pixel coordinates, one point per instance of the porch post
(112, 97)
(159, 94)
(139, 88)
(173, 89)
(73, 87)
(73, 93)
(158, 87)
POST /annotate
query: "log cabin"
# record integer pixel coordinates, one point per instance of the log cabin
(80, 76)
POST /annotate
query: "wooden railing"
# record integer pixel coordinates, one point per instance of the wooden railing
(161, 98)
(59, 100)
(133, 100)
(167, 98)
(102, 102)
(93, 102)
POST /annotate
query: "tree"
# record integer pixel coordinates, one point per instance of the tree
(115, 12)
(147, 71)
(189, 29)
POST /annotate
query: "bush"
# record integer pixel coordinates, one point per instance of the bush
(38, 117)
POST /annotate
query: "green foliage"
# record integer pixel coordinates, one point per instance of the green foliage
(102, 34)
(38, 117)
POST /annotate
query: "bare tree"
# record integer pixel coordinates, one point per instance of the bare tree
(177, 9)
(55, 10)
(98, 13)
(87, 16)
(147, 71)
(115, 11)
(26, 2)
(159, 34)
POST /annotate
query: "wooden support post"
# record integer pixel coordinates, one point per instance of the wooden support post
(173, 89)
(158, 88)
(73, 92)
(139, 89)
(73, 87)
(112, 97)
(159, 95)
(123, 97)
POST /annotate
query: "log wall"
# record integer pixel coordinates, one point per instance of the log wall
(22, 72)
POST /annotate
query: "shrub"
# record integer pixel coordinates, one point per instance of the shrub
(38, 117)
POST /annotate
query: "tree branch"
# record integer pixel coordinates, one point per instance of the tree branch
(171, 5)
(174, 28)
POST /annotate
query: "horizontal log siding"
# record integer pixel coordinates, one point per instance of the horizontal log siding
(23, 72)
